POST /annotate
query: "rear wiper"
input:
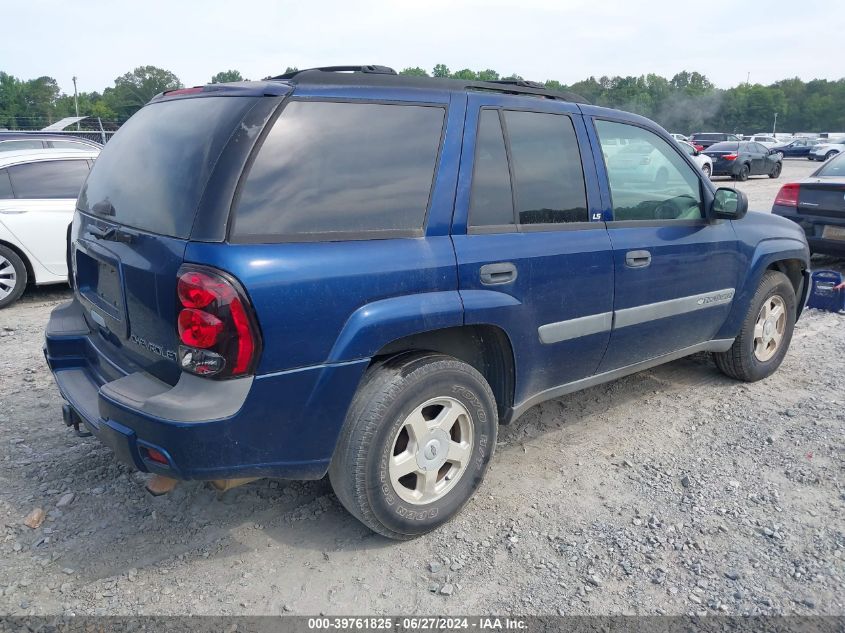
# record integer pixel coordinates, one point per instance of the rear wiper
(111, 234)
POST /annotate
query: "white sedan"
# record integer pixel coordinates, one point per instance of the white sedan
(38, 190)
(704, 162)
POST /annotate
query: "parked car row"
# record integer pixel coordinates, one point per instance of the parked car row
(819, 149)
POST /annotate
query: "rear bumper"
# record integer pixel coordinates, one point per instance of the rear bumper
(725, 169)
(813, 228)
(276, 425)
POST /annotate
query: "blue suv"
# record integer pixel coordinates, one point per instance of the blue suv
(346, 271)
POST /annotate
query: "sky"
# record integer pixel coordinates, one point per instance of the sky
(567, 40)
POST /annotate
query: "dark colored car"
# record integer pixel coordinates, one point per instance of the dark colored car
(817, 204)
(12, 141)
(360, 273)
(799, 148)
(743, 159)
(703, 140)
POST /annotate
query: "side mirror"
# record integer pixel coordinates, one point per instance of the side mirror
(729, 204)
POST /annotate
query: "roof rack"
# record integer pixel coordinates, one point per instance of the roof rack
(523, 83)
(385, 76)
(371, 68)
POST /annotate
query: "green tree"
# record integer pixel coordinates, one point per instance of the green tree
(134, 89)
(466, 74)
(416, 71)
(488, 75)
(225, 76)
(440, 70)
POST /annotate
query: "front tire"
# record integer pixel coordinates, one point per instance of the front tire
(13, 276)
(417, 441)
(830, 155)
(776, 171)
(766, 331)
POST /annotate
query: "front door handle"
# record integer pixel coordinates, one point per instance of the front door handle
(500, 273)
(637, 259)
(12, 211)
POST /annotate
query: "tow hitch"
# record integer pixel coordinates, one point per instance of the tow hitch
(71, 418)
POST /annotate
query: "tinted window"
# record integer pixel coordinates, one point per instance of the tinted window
(491, 203)
(5, 185)
(9, 146)
(49, 179)
(547, 169)
(152, 173)
(342, 168)
(649, 180)
(688, 149)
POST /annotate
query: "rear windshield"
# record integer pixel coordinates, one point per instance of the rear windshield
(709, 137)
(724, 147)
(151, 175)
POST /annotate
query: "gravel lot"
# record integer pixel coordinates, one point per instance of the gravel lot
(669, 492)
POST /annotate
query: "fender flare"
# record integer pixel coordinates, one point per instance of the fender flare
(376, 324)
(767, 252)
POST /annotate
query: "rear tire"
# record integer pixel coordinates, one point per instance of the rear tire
(706, 169)
(776, 171)
(13, 276)
(417, 441)
(766, 331)
(830, 155)
(744, 171)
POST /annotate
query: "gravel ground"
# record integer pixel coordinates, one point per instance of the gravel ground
(673, 491)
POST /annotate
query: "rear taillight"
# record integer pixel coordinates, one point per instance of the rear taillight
(699, 148)
(217, 330)
(729, 156)
(788, 195)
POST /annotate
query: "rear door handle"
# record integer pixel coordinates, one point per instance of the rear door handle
(12, 211)
(637, 259)
(500, 273)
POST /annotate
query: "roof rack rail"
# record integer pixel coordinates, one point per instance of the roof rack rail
(524, 83)
(371, 68)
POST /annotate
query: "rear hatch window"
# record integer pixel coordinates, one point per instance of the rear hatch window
(152, 174)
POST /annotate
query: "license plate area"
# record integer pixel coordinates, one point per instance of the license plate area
(98, 281)
(833, 232)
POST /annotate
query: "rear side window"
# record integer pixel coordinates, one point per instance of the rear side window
(491, 202)
(547, 170)
(333, 170)
(5, 185)
(152, 173)
(49, 179)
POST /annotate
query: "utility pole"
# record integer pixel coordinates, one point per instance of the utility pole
(748, 79)
(775, 124)
(75, 101)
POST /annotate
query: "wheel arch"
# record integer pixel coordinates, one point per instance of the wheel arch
(785, 255)
(30, 271)
(487, 348)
